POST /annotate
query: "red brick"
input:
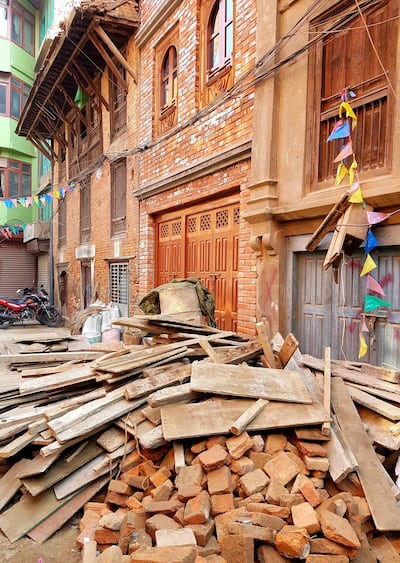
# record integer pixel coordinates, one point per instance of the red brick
(213, 458)
(237, 549)
(304, 516)
(338, 529)
(292, 542)
(197, 509)
(219, 481)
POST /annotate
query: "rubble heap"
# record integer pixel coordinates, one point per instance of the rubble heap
(202, 445)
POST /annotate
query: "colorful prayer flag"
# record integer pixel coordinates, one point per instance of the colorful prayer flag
(369, 265)
(372, 302)
(363, 349)
(373, 285)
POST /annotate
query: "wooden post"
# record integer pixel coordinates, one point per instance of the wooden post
(249, 414)
(326, 428)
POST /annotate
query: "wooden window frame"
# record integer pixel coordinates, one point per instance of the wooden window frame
(321, 154)
(219, 15)
(166, 108)
(118, 102)
(62, 222)
(119, 271)
(215, 79)
(22, 171)
(12, 84)
(85, 210)
(118, 170)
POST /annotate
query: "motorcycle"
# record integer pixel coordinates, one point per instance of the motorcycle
(32, 305)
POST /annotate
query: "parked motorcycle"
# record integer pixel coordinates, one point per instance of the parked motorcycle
(32, 305)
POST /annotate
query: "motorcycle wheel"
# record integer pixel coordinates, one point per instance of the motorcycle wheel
(4, 324)
(51, 318)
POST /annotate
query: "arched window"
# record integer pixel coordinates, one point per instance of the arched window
(169, 78)
(220, 35)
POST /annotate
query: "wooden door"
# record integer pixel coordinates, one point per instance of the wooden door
(203, 242)
(326, 313)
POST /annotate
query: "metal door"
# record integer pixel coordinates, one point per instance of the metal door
(204, 243)
(326, 313)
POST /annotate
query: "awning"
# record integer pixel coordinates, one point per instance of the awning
(91, 39)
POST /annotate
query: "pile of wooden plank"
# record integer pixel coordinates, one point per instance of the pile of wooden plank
(203, 445)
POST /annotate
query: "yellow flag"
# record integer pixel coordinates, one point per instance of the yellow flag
(340, 173)
(363, 347)
(357, 197)
(352, 171)
(369, 265)
(349, 113)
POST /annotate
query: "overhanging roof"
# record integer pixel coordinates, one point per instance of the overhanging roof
(92, 36)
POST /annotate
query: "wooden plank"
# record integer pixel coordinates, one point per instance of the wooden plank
(82, 476)
(288, 348)
(246, 381)
(97, 421)
(380, 429)
(142, 387)
(28, 512)
(37, 484)
(392, 397)
(47, 357)
(179, 456)
(43, 370)
(10, 483)
(175, 394)
(37, 465)
(209, 350)
(383, 505)
(374, 404)
(351, 375)
(341, 459)
(392, 375)
(266, 345)
(82, 412)
(56, 380)
(213, 417)
(15, 446)
(327, 389)
(49, 526)
(329, 222)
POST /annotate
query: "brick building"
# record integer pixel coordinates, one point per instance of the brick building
(159, 155)
(202, 151)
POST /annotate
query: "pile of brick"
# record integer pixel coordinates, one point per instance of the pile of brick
(262, 497)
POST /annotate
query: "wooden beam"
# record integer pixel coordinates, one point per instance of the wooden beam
(382, 503)
(247, 416)
(266, 345)
(110, 63)
(327, 390)
(79, 69)
(329, 222)
(114, 50)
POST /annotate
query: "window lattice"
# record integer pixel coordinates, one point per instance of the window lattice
(164, 231)
(222, 218)
(176, 229)
(205, 222)
(236, 215)
(191, 225)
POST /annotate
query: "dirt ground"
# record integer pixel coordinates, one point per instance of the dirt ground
(60, 548)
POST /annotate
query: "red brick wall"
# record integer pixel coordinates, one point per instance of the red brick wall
(201, 134)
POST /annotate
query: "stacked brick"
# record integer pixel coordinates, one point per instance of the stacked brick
(238, 499)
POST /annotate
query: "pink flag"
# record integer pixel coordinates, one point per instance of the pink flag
(345, 152)
(375, 217)
(374, 286)
(364, 327)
